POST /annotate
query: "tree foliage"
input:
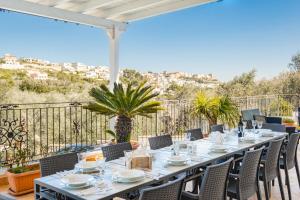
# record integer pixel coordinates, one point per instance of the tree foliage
(294, 65)
(215, 108)
(133, 77)
(124, 103)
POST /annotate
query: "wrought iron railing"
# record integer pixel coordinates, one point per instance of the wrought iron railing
(44, 128)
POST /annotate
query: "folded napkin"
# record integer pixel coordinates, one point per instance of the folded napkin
(217, 137)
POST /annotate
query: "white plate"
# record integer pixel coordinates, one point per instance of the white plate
(71, 187)
(264, 130)
(267, 134)
(76, 180)
(218, 149)
(89, 165)
(249, 139)
(177, 159)
(125, 180)
(130, 174)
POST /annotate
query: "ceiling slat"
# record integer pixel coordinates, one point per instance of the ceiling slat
(162, 9)
(91, 5)
(131, 7)
(56, 13)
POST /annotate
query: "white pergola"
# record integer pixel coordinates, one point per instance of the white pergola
(111, 15)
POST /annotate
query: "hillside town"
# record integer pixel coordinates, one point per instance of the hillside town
(38, 69)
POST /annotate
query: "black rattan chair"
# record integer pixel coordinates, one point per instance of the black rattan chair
(270, 167)
(274, 127)
(58, 163)
(168, 191)
(289, 159)
(6, 197)
(213, 184)
(115, 151)
(196, 134)
(54, 164)
(159, 142)
(217, 127)
(244, 184)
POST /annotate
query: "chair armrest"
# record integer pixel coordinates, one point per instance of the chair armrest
(193, 177)
(231, 175)
(188, 195)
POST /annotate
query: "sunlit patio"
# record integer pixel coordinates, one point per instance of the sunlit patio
(130, 144)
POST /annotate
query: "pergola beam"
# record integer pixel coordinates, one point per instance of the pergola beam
(59, 14)
(171, 7)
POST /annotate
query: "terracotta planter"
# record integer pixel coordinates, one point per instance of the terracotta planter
(20, 183)
(289, 124)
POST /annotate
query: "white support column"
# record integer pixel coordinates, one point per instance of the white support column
(114, 35)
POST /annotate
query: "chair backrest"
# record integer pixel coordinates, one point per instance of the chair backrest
(299, 115)
(214, 182)
(217, 127)
(248, 114)
(248, 173)
(58, 163)
(274, 120)
(161, 141)
(291, 149)
(169, 191)
(261, 118)
(115, 151)
(196, 134)
(272, 158)
(6, 197)
(274, 127)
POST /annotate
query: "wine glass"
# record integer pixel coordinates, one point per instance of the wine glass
(259, 124)
(226, 128)
(245, 123)
(253, 125)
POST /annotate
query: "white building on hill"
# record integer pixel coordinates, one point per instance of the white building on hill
(37, 75)
(10, 62)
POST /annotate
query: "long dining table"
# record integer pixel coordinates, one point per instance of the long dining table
(161, 170)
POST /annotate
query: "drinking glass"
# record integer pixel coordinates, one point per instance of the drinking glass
(176, 147)
(245, 124)
(259, 124)
(253, 125)
(128, 156)
(188, 136)
(226, 128)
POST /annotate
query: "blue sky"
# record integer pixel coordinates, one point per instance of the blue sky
(225, 38)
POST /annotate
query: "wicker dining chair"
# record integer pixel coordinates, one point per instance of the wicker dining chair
(161, 141)
(115, 151)
(6, 197)
(53, 164)
(244, 184)
(270, 167)
(274, 127)
(213, 184)
(196, 134)
(289, 160)
(168, 191)
(217, 127)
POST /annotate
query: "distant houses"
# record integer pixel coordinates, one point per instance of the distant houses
(37, 70)
(10, 62)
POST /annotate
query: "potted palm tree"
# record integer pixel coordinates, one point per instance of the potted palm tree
(216, 108)
(124, 104)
